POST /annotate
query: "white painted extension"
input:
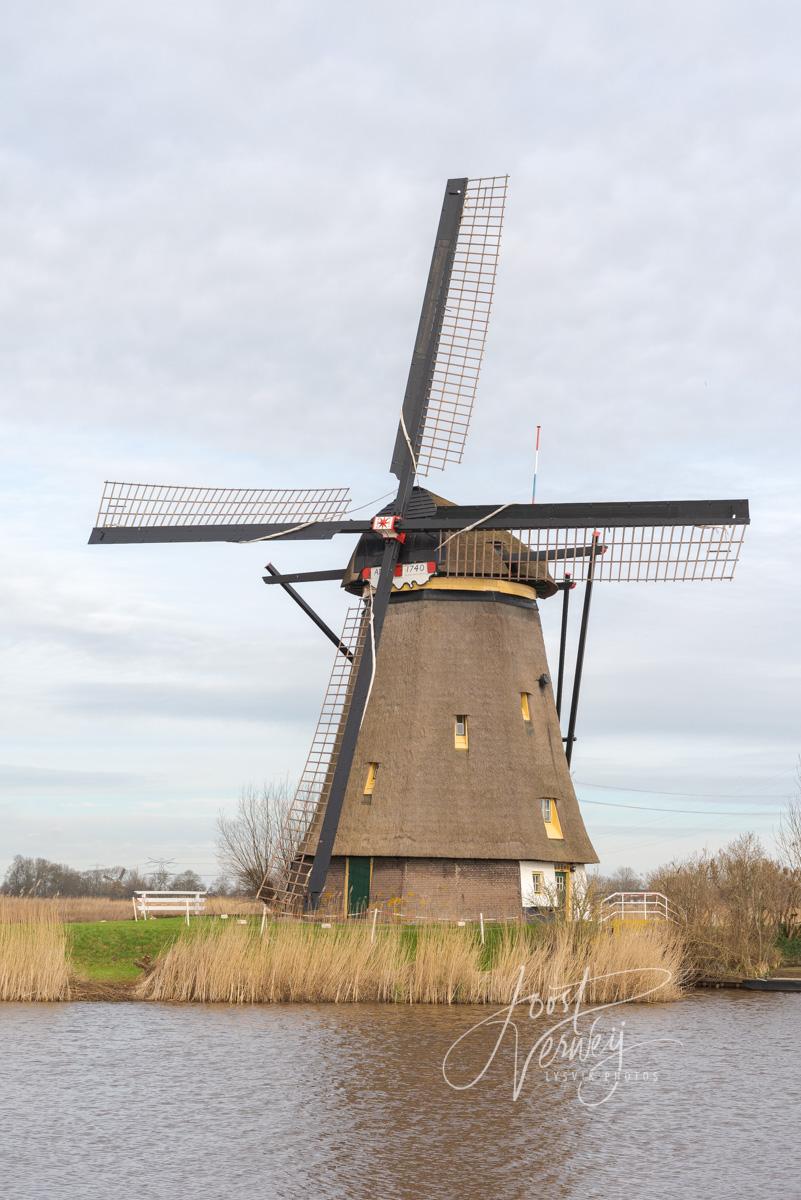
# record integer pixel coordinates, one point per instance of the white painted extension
(542, 884)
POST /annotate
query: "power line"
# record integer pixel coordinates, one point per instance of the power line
(698, 812)
(613, 787)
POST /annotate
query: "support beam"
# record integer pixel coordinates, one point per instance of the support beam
(585, 616)
(302, 576)
(309, 611)
(613, 515)
(566, 586)
(320, 531)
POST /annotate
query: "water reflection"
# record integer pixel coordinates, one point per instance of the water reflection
(350, 1102)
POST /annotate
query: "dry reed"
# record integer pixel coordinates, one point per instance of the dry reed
(99, 908)
(33, 952)
(429, 965)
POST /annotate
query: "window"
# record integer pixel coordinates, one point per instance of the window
(460, 732)
(550, 816)
(525, 706)
(537, 883)
(369, 783)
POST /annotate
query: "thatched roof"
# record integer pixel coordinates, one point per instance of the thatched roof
(444, 653)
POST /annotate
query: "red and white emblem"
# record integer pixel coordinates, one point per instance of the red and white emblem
(385, 526)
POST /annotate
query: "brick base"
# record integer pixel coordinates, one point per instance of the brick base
(439, 888)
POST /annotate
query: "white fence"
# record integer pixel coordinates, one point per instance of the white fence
(637, 906)
(157, 904)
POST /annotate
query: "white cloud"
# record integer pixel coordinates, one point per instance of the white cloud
(215, 234)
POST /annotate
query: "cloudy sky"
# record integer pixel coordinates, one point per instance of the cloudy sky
(216, 222)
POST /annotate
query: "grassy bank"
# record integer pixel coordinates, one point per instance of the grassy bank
(42, 957)
(428, 964)
(109, 951)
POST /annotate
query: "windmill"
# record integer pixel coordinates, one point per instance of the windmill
(438, 773)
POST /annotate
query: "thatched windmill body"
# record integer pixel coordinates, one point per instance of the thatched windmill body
(438, 778)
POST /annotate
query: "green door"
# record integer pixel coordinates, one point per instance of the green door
(358, 885)
(561, 888)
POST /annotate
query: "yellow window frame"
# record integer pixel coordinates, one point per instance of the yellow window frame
(525, 706)
(369, 783)
(550, 816)
(461, 740)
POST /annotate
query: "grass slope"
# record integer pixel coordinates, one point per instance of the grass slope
(107, 950)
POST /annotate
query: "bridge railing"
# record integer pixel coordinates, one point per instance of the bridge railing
(637, 906)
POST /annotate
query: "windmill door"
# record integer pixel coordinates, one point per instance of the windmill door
(561, 888)
(358, 885)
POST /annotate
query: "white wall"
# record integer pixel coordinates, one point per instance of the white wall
(549, 883)
(548, 869)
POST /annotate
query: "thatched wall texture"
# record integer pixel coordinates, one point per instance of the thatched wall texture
(443, 653)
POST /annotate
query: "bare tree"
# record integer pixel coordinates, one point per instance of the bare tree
(789, 836)
(733, 905)
(253, 845)
(624, 879)
(187, 881)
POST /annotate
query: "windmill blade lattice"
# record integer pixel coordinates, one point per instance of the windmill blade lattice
(464, 327)
(144, 505)
(627, 554)
(308, 804)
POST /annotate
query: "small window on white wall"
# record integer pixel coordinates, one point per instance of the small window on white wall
(537, 883)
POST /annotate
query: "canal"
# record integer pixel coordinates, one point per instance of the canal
(156, 1101)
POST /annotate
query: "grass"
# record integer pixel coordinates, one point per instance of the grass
(107, 951)
(429, 964)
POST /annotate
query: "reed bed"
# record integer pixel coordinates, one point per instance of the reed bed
(99, 908)
(424, 965)
(33, 952)
(68, 908)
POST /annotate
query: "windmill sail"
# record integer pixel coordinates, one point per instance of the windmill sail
(463, 335)
(627, 554)
(452, 332)
(461, 275)
(149, 505)
(308, 804)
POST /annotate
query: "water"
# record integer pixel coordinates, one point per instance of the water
(157, 1101)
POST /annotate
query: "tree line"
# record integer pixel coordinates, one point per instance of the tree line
(41, 877)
